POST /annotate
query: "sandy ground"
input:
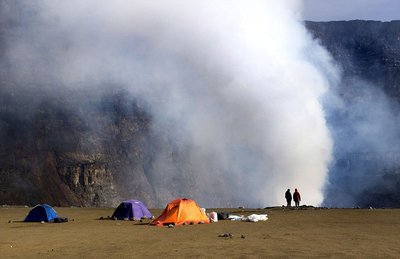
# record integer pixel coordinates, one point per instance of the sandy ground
(343, 233)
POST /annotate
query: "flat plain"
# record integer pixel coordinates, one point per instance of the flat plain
(288, 233)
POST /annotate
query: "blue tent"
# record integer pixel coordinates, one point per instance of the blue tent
(41, 212)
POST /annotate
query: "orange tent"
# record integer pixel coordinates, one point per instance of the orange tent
(181, 211)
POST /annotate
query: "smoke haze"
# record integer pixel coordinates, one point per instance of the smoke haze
(364, 125)
(236, 86)
(362, 111)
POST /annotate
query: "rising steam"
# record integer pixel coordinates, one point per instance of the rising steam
(237, 85)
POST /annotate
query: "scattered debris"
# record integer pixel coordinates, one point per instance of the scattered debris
(60, 220)
(226, 235)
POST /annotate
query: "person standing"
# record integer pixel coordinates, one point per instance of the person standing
(296, 197)
(288, 197)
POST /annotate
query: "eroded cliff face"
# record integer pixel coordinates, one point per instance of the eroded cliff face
(367, 50)
(84, 150)
(92, 146)
(91, 182)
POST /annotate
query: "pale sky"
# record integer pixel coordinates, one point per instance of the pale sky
(338, 10)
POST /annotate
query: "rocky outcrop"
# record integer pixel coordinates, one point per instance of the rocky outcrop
(368, 50)
(82, 149)
(92, 183)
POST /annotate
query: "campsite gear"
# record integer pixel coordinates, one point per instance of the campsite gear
(181, 211)
(41, 212)
(131, 209)
(236, 217)
(223, 215)
(213, 216)
(251, 218)
(257, 217)
(60, 220)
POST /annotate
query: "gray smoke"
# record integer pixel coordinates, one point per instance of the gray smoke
(237, 85)
(364, 123)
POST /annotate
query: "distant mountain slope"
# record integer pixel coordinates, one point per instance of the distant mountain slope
(366, 49)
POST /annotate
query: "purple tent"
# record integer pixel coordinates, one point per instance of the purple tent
(131, 209)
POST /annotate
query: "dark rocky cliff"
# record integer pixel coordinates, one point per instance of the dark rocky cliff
(72, 151)
(365, 49)
(83, 148)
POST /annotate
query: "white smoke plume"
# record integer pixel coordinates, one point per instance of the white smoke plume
(238, 84)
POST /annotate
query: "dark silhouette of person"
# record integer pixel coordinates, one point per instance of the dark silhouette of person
(288, 197)
(296, 197)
